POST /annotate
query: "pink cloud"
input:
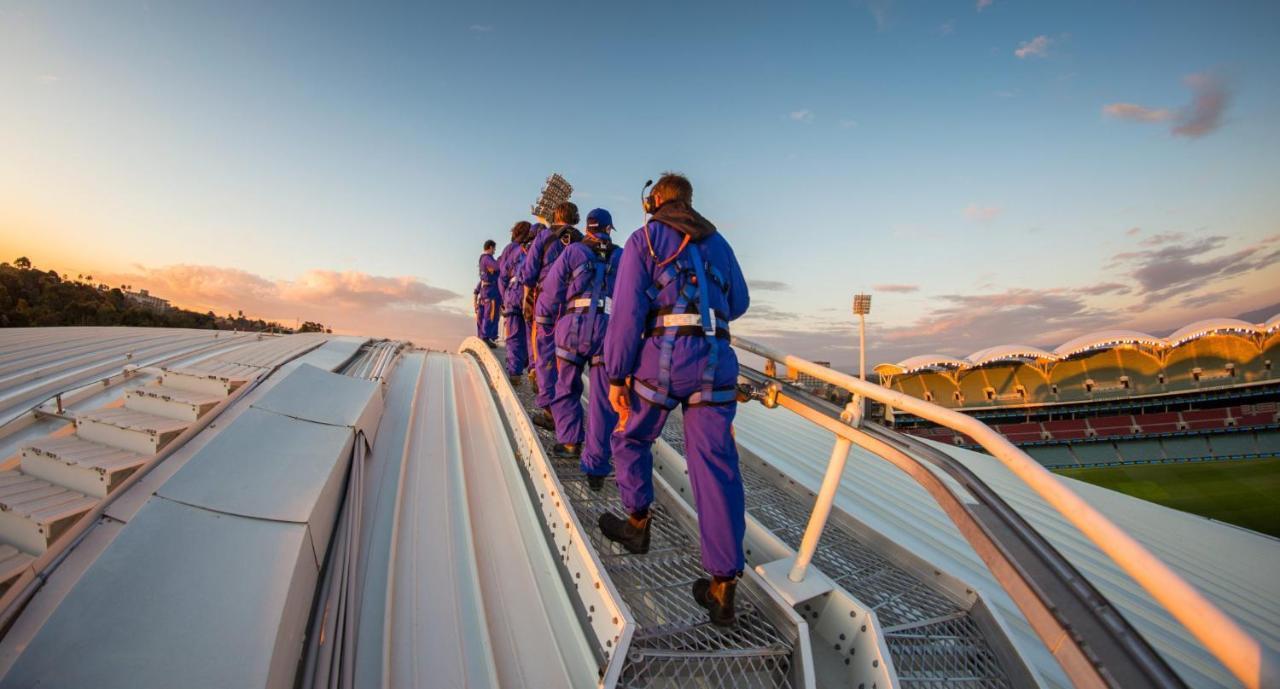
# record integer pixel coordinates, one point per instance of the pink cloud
(1036, 47)
(352, 302)
(1210, 96)
(901, 289)
(1136, 113)
(978, 213)
(983, 4)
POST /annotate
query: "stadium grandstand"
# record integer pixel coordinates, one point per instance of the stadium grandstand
(1206, 391)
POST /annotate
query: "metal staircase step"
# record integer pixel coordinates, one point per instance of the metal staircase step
(171, 402)
(71, 461)
(128, 429)
(34, 512)
(12, 562)
(212, 378)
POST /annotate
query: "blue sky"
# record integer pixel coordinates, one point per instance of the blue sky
(344, 163)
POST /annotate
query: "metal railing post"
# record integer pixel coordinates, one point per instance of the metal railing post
(821, 509)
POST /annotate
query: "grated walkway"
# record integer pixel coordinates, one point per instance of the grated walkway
(675, 645)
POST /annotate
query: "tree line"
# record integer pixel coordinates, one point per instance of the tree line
(30, 296)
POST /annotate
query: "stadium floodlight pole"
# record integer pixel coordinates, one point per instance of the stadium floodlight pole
(862, 307)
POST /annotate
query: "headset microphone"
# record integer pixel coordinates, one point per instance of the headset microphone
(646, 200)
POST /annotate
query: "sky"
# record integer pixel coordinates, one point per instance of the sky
(992, 171)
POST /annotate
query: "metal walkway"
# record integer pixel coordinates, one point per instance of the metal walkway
(934, 643)
(675, 645)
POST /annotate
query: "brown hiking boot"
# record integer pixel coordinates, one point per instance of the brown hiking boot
(716, 595)
(543, 419)
(631, 533)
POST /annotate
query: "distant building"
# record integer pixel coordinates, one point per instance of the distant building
(809, 382)
(148, 301)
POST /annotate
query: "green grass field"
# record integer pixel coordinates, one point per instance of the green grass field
(1245, 493)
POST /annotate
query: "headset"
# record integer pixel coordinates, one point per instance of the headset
(646, 199)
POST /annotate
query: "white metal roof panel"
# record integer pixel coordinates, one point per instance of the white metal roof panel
(336, 352)
(1107, 338)
(1209, 326)
(264, 465)
(317, 395)
(183, 597)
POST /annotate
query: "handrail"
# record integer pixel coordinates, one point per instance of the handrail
(1239, 652)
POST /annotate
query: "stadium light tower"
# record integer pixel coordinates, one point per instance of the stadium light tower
(862, 307)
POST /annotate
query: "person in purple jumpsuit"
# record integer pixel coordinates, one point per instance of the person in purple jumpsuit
(580, 285)
(514, 329)
(488, 298)
(544, 251)
(678, 286)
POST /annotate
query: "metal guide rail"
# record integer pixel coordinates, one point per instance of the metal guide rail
(1088, 637)
(932, 638)
(674, 645)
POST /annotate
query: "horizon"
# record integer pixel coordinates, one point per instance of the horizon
(992, 172)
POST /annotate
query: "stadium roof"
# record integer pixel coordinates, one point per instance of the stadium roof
(1208, 326)
(1014, 352)
(1102, 339)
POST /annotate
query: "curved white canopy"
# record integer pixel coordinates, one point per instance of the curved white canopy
(1013, 352)
(1272, 323)
(1107, 338)
(931, 361)
(1208, 326)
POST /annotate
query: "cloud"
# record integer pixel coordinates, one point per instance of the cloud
(48, 78)
(804, 115)
(978, 213)
(1207, 298)
(1169, 264)
(768, 285)
(1036, 47)
(1104, 288)
(1133, 231)
(947, 28)
(348, 301)
(902, 289)
(1210, 96)
(880, 10)
(1136, 113)
(848, 124)
(481, 28)
(983, 4)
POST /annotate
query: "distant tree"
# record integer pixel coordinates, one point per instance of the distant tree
(311, 327)
(22, 262)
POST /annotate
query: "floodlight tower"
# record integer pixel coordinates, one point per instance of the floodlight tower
(862, 307)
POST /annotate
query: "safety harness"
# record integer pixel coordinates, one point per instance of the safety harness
(591, 301)
(512, 306)
(690, 316)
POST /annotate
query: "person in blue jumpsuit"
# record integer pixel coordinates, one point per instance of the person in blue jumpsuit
(544, 251)
(514, 329)
(580, 285)
(678, 287)
(488, 298)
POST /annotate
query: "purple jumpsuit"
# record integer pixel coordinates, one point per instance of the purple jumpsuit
(489, 299)
(580, 285)
(515, 329)
(544, 250)
(669, 333)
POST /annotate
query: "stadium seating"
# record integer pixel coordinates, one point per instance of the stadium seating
(1233, 444)
(1096, 453)
(1268, 442)
(1186, 447)
(1053, 455)
(1204, 419)
(1021, 432)
(1067, 429)
(1165, 422)
(1141, 450)
(1107, 426)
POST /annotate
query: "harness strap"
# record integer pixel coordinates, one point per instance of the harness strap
(544, 320)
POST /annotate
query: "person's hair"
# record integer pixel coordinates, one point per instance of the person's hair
(520, 230)
(490, 244)
(567, 213)
(673, 186)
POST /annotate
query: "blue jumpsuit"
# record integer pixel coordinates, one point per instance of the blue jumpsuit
(580, 285)
(489, 299)
(544, 250)
(515, 329)
(669, 333)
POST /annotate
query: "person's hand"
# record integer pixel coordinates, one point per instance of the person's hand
(621, 403)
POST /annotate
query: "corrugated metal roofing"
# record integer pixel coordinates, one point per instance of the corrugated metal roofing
(1234, 567)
